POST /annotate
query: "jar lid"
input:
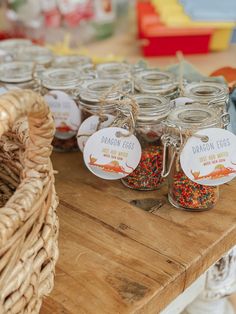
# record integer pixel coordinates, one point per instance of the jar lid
(71, 61)
(34, 53)
(193, 116)
(93, 90)
(60, 78)
(152, 108)
(16, 72)
(114, 70)
(155, 81)
(9, 44)
(206, 92)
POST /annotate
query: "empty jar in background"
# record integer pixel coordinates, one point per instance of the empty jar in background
(59, 88)
(15, 75)
(215, 95)
(114, 70)
(13, 45)
(158, 83)
(153, 110)
(71, 61)
(40, 56)
(184, 193)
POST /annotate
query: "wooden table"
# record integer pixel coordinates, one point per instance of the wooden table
(118, 258)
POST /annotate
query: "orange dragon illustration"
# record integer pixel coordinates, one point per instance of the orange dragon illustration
(220, 171)
(63, 127)
(112, 166)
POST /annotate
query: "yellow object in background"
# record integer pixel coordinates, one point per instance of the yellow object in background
(172, 14)
(64, 49)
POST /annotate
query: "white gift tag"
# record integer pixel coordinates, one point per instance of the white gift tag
(66, 114)
(111, 156)
(211, 162)
(89, 126)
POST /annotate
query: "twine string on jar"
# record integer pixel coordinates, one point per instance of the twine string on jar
(178, 144)
(129, 102)
(124, 101)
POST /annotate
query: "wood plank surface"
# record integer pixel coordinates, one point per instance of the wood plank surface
(118, 258)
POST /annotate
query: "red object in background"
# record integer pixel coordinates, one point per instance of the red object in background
(157, 39)
(169, 41)
(52, 18)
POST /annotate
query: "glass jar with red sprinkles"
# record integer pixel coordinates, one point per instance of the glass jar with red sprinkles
(152, 111)
(182, 122)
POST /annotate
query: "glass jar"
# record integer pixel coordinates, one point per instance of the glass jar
(158, 83)
(73, 61)
(114, 70)
(180, 125)
(59, 88)
(11, 45)
(92, 94)
(211, 94)
(40, 56)
(149, 129)
(14, 75)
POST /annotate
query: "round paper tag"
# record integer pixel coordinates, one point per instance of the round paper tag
(111, 156)
(66, 114)
(89, 126)
(210, 160)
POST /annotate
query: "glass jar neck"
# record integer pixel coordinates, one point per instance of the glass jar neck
(93, 92)
(36, 54)
(60, 79)
(152, 109)
(71, 61)
(206, 92)
(192, 118)
(16, 72)
(114, 70)
(156, 82)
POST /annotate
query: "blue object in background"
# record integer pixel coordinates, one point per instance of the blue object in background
(232, 112)
(210, 10)
(233, 40)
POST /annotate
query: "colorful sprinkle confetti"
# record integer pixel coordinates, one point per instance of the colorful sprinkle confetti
(147, 176)
(190, 195)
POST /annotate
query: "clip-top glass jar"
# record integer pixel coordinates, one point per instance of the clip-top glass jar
(11, 45)
(117, 71)
(215, 95)
(96, 96)
(114, 70)
(72, 61)
(155, 82)
(40, 56)
(15, 75)
(59, 87)
(149, 129)
(181, 124)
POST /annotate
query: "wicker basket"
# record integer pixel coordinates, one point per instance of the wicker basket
(28, 221)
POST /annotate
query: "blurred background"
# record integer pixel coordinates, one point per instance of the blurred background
(160, 27)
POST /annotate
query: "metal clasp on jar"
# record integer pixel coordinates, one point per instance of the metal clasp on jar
(225, 118)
